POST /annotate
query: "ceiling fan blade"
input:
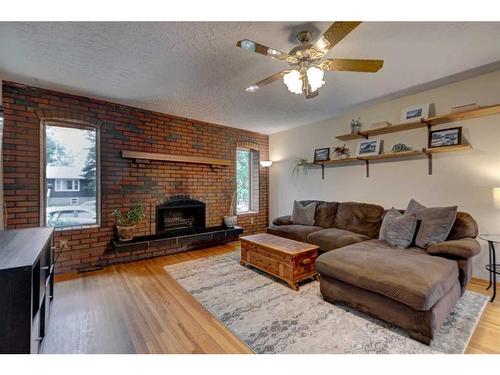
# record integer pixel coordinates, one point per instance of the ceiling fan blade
(266, 81)
(266, 51)
(333, 35)
(352, 65)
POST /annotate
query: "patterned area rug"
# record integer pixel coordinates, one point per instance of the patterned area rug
(271, 318)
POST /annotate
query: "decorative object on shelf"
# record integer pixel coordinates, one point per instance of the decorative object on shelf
(380, 124)
(125, 224)
(266, 163)
(415, 113)
(445, 137)
(355, 125)
(341, 152)
(400, 147)
(231, 219)
(300, 163)
(322, 154)
(465, 108)
(369, 147)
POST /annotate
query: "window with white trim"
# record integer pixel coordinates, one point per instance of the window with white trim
(71, 173)
(247, 180)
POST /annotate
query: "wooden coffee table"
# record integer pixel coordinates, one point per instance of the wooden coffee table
(288, 260)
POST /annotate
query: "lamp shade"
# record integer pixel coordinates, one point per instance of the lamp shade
(266, 163)
(496, 198)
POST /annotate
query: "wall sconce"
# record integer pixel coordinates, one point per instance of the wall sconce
(268, 163)
(496, 198)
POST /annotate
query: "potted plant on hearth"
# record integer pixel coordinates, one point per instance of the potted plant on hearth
(125, 224)
(231, 219)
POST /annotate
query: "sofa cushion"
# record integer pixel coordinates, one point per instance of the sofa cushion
(463, 227)
(398, 229)
(362, 218)
(283, 220)
(409, 276)
(325, 213)
(333, 238)
(294, 232)
(303, 214)
(435, 222)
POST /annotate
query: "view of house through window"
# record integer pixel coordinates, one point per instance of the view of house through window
(70, 176)
(247, 180)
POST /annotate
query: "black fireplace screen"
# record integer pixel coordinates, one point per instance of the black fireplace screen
(179, 215)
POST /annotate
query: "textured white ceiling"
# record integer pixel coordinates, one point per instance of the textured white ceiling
(194, 69)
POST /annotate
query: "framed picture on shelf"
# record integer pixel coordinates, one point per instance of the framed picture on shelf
(445, 137)
(369, 147)
(415, 113)
(322, 154)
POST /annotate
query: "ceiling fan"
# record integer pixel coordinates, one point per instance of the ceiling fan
(307, 69)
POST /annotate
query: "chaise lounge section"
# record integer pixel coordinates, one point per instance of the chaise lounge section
(413, 288)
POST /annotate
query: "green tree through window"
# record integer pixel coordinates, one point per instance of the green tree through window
(243, 180)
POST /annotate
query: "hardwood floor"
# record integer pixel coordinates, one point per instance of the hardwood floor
(138, 308)
(135, 308)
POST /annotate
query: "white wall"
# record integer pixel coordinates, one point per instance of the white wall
(464, 178)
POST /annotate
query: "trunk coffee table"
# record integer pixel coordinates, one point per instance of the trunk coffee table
(288, 260)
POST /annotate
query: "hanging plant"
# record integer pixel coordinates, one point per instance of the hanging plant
(300, 163)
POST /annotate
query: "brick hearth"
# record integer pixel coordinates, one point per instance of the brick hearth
(123, 181)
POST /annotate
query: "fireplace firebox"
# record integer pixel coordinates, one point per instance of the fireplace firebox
(179, 216)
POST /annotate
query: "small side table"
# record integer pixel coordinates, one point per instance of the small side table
(492, 267)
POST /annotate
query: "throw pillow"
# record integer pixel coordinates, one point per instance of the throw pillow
(303, 215)
(435, 222)
(398, 229)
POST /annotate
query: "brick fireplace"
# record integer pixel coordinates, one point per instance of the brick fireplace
(124, 182)
(179, 215)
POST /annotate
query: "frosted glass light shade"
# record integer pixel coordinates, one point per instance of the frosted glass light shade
(315, 78)
(266, 163)
(293, 82)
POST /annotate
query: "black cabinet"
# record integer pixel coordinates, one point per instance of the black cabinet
(26, 288)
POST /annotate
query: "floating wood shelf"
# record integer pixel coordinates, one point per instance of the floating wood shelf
(438, 150)
(388, 156)
(431, 121)
(174, 158)
(350, 137)
(475, 113)
(385, 130)
(335, 161)
(394, 155)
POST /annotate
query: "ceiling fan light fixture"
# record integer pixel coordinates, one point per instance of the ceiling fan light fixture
(315, 77)
(293, 82)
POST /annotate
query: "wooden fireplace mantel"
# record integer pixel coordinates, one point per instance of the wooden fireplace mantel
(174, 158)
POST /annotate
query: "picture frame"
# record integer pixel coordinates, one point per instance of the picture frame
(368, 147)
(415, 113)
(322, 154)
(445, 137)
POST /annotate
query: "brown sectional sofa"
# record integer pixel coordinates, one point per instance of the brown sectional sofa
(413, 288)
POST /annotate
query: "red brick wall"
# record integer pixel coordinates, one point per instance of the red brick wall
(123, 181)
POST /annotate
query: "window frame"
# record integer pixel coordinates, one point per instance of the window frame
(249, 180)
(80, 125)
